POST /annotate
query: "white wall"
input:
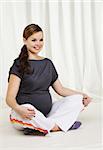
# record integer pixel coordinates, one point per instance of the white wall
(72, 39)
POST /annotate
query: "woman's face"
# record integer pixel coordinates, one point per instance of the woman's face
(35, 42)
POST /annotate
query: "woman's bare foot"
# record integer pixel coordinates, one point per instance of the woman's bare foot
(55, 128)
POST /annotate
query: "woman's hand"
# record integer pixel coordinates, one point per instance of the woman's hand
(24, 112)
(86, 100)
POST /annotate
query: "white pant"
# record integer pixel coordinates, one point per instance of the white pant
(63, 113)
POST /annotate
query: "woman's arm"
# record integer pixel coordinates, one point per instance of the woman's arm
(13, 87)
(63, 91)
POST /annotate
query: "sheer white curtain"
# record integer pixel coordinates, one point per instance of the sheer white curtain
(72, 31)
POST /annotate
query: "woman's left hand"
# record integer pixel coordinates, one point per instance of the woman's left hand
(86, 100)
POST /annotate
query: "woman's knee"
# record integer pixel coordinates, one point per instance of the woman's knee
(76, 99)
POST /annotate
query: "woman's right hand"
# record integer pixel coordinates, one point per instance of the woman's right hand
(24, 112)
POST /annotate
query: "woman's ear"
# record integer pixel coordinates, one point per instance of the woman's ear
(24, 40)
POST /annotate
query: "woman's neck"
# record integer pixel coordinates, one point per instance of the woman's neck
(35, 57)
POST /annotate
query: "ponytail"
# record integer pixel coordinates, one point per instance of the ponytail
(23, 59)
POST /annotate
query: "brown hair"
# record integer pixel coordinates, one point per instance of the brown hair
(23, 56)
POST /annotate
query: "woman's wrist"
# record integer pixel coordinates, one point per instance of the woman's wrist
(81, 93)
(16, 107)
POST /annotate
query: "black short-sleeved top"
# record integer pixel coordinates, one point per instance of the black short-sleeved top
(34, 88)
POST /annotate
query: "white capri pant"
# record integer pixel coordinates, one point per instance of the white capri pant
(63, 113)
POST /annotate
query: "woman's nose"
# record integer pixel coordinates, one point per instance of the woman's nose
(37, 42)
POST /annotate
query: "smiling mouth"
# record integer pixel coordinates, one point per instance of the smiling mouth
(36, 48)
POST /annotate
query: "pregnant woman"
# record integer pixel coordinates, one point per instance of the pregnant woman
(28, 94)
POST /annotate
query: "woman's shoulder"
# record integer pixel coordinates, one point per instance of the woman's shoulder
(48, 59)
(45, 58)
(16, 61)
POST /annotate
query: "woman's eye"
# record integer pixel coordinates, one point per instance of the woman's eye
(41, 39)
(34, 40)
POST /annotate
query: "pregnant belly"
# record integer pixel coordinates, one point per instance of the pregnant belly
(42, 102)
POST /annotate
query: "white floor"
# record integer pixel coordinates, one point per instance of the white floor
(88, 136)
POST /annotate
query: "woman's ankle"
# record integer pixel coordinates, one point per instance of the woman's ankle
(55, 128)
